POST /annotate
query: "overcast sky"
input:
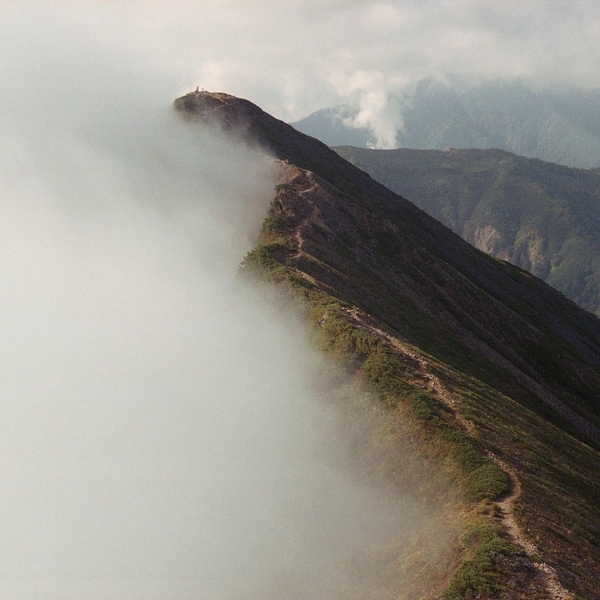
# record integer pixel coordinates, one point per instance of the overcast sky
(293, 57)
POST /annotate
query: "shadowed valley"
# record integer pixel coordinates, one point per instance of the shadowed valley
(540, 216)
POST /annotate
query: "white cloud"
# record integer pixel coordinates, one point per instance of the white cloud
(379, 104)
(161, 432)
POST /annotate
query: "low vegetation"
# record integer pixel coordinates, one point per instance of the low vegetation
(499, 425)
(477, 576)
(447, 447)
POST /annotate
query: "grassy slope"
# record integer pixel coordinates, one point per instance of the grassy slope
(406, 303)
(540, 216)
(557, 508)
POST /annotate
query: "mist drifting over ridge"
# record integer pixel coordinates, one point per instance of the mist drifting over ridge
(161, 433)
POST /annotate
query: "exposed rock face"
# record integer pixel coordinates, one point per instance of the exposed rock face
(488, 239)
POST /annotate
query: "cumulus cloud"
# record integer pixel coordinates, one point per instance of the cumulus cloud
(378, 108)
(161, 432)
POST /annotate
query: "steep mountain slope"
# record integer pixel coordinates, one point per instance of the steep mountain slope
(496, 374)
(561, 126)
(539, 216)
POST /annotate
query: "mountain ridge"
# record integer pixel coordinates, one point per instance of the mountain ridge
(558, 126)
(481, 357)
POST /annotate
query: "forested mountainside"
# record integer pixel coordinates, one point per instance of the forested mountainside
(540, 216)
(495, 374)
(555, 125)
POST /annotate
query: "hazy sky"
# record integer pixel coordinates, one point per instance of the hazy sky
(293, 57)
(161, 436)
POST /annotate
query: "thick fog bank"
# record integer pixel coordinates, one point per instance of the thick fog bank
(161, 436)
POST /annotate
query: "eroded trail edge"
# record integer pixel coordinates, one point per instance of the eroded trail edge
(545, 573)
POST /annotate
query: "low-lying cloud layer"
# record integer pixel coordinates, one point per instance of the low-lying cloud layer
(161, 434)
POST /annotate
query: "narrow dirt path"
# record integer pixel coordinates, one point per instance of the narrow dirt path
(545, 573)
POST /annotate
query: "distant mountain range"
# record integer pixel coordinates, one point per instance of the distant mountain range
(489, 373)
(561, 126)
(540, 216)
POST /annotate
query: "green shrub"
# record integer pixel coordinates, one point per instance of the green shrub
(424, 407)
(261, 261)
(477, 577)
(383, 368)
(487, 481)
